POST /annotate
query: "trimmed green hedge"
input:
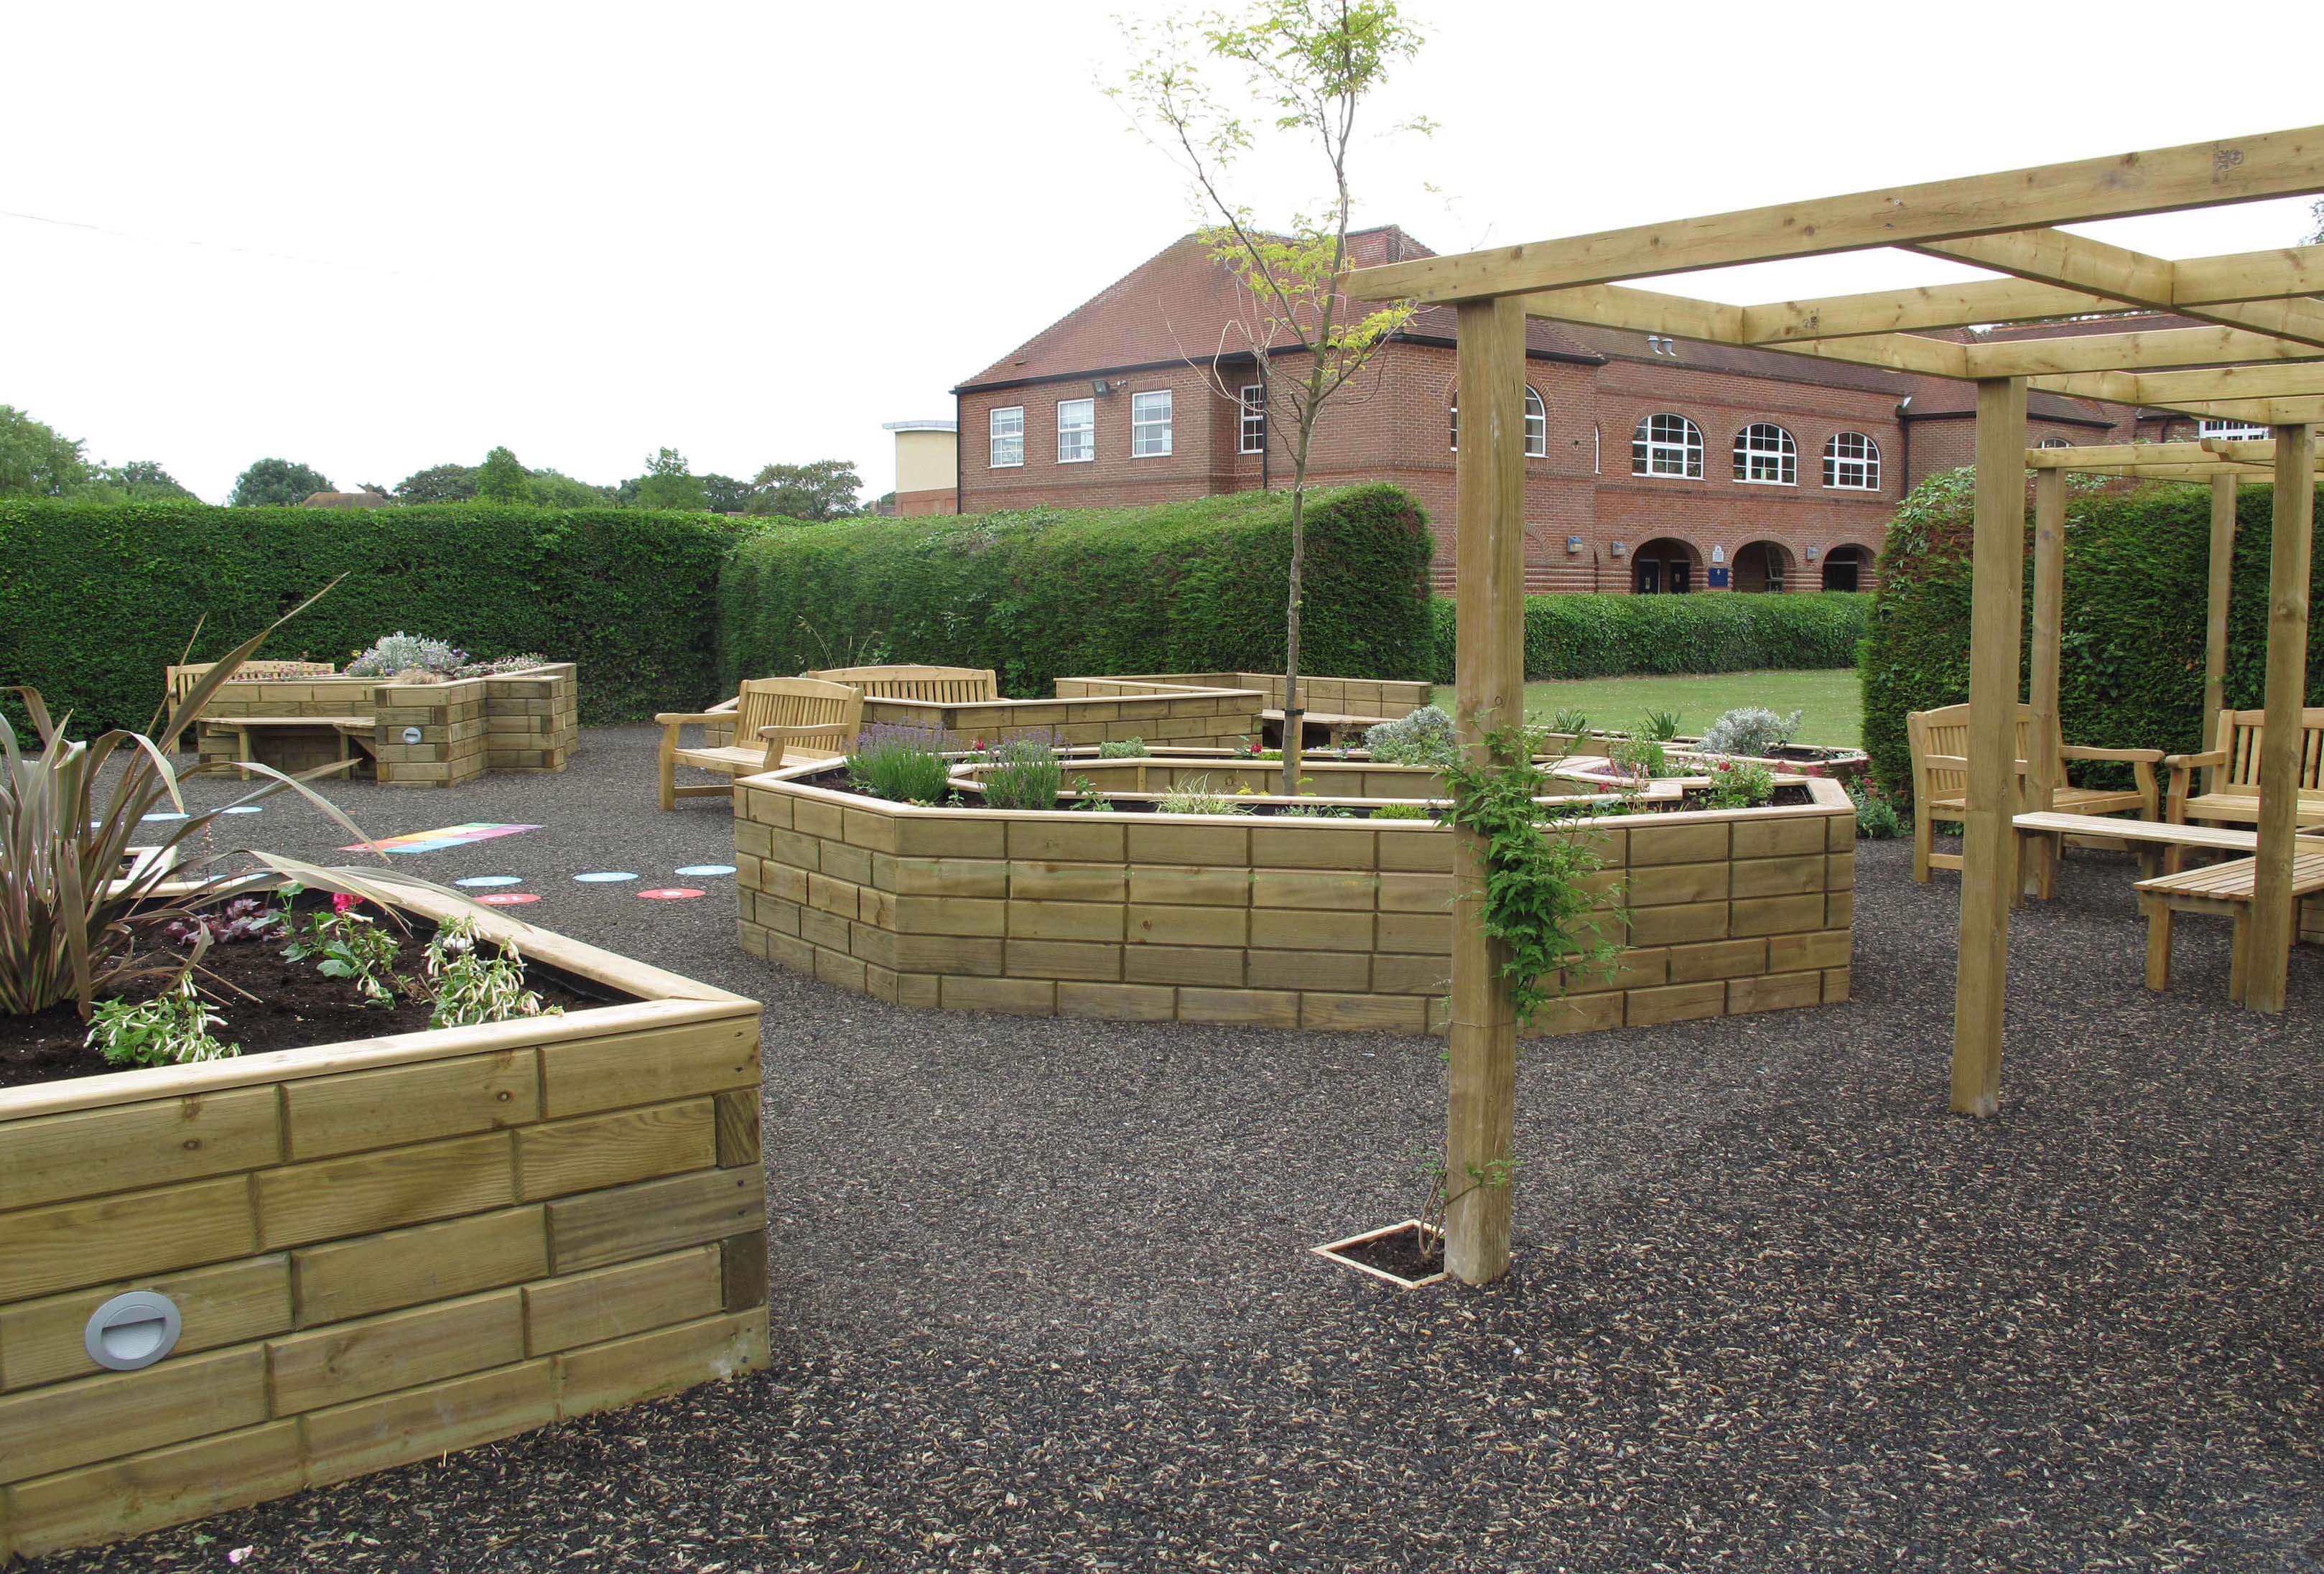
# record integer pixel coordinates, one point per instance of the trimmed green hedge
(1619, 636)
(1184, 586)
(2132, 637)
(96, 601)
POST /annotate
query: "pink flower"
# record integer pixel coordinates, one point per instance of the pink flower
(342, 902)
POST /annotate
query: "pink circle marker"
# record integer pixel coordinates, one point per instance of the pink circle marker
(505, 898)
(671, 893)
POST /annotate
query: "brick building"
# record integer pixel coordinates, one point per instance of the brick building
(1654, 463)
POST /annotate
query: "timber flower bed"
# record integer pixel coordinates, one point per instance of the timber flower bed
(406, 732)
(1268, 918)
(378, 1250)
(1086, 711)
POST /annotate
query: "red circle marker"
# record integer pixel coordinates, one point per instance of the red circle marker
(671, 893)
(505, 898)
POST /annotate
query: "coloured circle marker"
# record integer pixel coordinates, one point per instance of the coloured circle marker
(506, 898)
(164, 815)
(699, 870)
(245, 809)
(671, 893)
(604, 877)
(491, 880)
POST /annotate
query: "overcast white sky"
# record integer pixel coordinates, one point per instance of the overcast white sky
(375, 237)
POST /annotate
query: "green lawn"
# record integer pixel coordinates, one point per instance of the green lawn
(1832, 699)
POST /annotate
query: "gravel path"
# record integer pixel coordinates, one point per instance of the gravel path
(1043, 1302)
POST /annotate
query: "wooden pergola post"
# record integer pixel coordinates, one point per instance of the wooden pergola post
(2222, 589)
(2041, 871)
(1989, 838)
(2268, 960)
(1488, 672)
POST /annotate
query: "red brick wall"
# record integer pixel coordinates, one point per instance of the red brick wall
(936, 501)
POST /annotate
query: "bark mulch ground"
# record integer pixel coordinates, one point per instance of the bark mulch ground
(1043, 1299)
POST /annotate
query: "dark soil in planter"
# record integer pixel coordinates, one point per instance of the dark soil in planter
(296, 1008)
(1791, 795)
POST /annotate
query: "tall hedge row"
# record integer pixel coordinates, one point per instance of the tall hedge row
(1615, 636)
(1184, 586)
(2137, 566)
(95, 601)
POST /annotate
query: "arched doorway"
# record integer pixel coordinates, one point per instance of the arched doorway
(1662, 567)
(1763, 566)
(1844, 568)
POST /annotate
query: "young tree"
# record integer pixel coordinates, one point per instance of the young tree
(2315, 237)
(668, 483)
(1307, 68)
(276, 482)
(821, 489)
(35, 461)
(500, 479)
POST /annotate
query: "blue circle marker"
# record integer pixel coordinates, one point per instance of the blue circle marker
(704, 869)
(245, 809)
(602, 877)
(162, 814)
(491, 880)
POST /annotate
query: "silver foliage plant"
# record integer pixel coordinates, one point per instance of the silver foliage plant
(1425, 737)
(1750, 729)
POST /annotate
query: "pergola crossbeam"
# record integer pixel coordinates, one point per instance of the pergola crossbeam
(2055, 257)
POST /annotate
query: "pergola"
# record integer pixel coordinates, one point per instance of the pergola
(2257, 357)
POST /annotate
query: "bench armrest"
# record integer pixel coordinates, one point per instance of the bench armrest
(2190, 761)
(776, 737)
(691, 718)
(2127, 756)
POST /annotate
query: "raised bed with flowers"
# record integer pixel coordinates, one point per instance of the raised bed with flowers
(298, 1186)
(1050, 882)
(411, 711)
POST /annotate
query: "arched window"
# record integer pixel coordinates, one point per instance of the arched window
(2061, 443)
(1851, 462)
(1666, 445)
(1536, 424)
(1765, 452)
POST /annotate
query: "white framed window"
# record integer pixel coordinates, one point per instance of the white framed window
(1005, 436)
(1666, 445)
(1596, 440)
(1149, 424)
(2236, 431)
(1537, 418)
(1851, 463)
(1251, 430)
(2053, 443)
(1076, 431)
(1766, 455)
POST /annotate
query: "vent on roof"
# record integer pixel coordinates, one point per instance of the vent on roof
(1662, 344)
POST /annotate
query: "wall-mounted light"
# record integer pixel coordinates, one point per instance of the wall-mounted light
(1574, 543)
(1101, 387)
(1618, 549)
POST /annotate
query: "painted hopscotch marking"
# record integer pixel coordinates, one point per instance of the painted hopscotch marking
(440, 840)
(490, 880)
(604, 877)
(699, 870)
(670, 894)
(506, 898)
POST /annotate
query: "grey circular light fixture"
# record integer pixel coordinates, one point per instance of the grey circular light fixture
(413, 735)
(132, 1330)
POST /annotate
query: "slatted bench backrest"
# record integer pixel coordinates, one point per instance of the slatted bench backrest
(1943, 732)
(799, 702)
(182, 679)
(941, 685)
(2237, 735)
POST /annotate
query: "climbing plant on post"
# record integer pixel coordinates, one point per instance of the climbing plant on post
(1307, 68)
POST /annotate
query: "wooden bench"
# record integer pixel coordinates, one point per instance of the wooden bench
(939, 685)
(179, 680)
(1939, 746)
(2223, 890)
(2149, 839)
(357, 730)
(1336, 725)
(2230, 768)
(774, 713)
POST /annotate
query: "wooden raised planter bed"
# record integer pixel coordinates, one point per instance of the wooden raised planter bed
(382, 1250)
(1271, 922)
(1184, 718)
(413, 734)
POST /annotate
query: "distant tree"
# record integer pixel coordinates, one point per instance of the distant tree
(726, 495)
(555, 489)
(438, 484)
(375, 489)
(139, 481)
(667, 483)
(822, 489)
(35, 461)
(2316, 216)
(884, 505)
(500, 479)
(277, 481)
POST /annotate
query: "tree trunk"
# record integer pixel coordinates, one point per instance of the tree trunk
(1292, 724)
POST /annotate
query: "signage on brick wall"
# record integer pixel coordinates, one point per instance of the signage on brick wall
(1719, 578)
